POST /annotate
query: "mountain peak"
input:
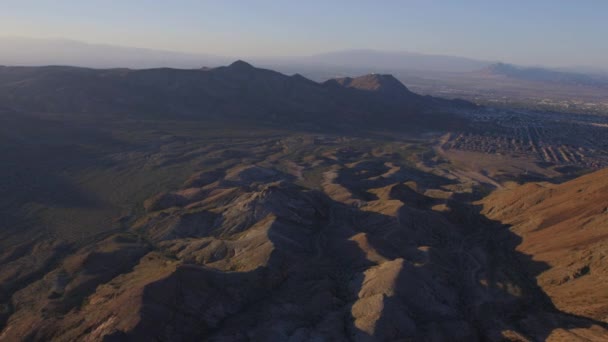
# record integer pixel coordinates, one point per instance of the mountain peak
(240, 64)
(380, 83)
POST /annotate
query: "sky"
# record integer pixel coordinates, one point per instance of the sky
(531, 32)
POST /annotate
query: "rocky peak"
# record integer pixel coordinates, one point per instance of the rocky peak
(241, 65)
(380, 83)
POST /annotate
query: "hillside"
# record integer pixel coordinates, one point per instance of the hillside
(238, 91)
(566, 227)
(181, 231)
(238, 203)
(381, 84)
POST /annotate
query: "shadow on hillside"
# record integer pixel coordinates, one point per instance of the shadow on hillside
(495, 284)
(41, 158)
(453, 275)
(466, 283)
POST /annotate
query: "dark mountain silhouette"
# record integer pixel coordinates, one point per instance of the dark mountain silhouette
(237, 91)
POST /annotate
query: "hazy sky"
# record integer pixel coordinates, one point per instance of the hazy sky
(557, 32)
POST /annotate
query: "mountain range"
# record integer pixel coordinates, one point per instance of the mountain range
(236, 203)
(20, 51)
(438, 75)
(377, 251)
(543, 75)
(238, 91)
(381, 61)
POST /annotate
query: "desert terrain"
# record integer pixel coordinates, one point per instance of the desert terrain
(120, 225)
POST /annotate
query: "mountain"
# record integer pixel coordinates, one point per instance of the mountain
(241, 250)
(564, 226)
(19, 51)
(237, 91)
(39, 52)
(383, 84)
(395, 60)
(237, 203)
(543, 75)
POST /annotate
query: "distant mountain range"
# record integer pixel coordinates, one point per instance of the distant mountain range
(194, 85)
(384, 61)
(544, 75)
(17, 51)
(39, 52)
(237, 91)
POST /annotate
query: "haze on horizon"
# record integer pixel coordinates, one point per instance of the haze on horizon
(520, 32)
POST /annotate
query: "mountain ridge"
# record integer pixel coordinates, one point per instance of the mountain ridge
(241, 252)
(238, 90)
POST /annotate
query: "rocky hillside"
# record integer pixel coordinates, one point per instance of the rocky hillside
(384, 84)
(565, 227)
(378, 251)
